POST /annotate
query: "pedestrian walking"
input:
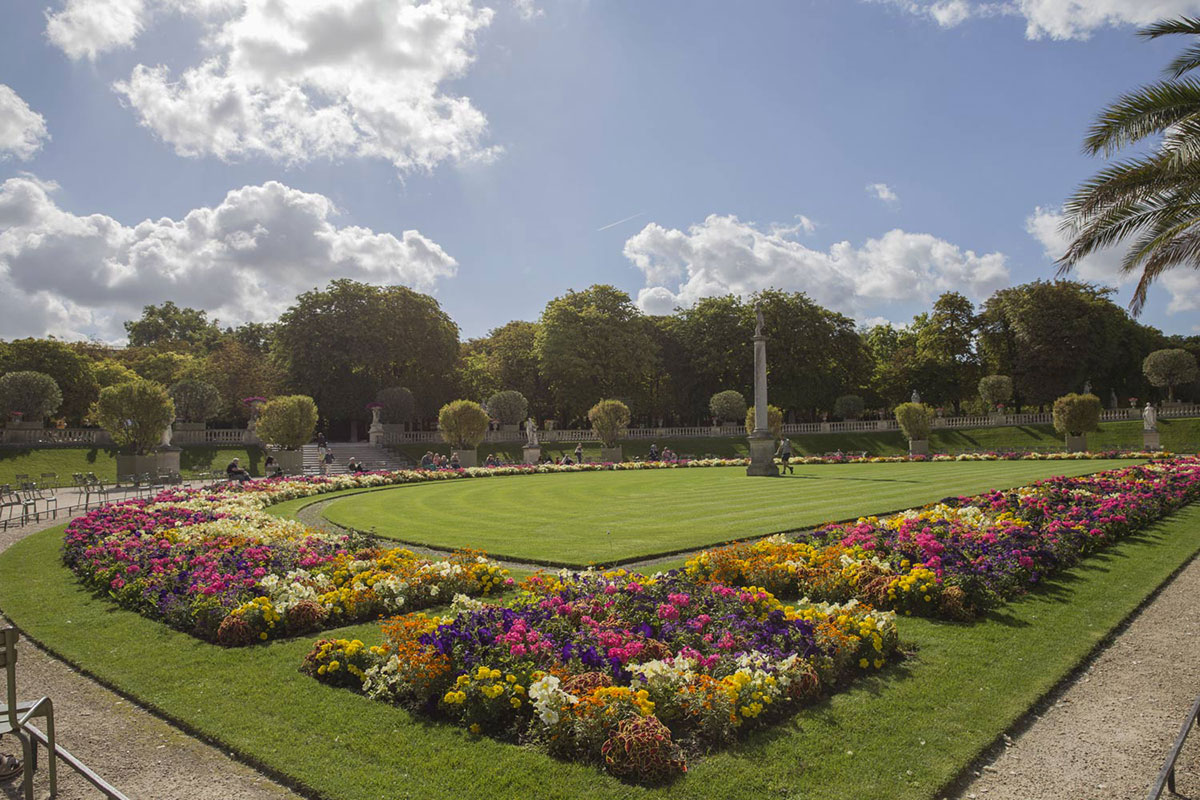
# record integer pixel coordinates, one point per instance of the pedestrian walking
(785, 453)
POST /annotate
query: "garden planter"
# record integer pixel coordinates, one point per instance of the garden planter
(532, 454)
(918, 447)
(166, 459)
(468, 458)
(136, 465)
(1150, 440)
(611, 455)
(1076, 444)
(290, 461)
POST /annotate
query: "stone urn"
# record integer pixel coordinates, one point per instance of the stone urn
(375, 432)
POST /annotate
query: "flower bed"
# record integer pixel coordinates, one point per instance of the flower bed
(213, 564)
(630, 672)
(962, 555)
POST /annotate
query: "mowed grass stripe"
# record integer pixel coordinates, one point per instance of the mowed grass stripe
(602, 517)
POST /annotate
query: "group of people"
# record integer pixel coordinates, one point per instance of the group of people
(432, 460)
(667, 454)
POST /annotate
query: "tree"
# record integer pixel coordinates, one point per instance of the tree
(399, 405)
(239, 372)
(509, 407)
(892, 353)
(1077, 414)
(170, 327)
(288, 421)
(1170, 368)
(609, 420)
(592, 344)
(774, 421)
(1148, 197)
(135, 414)
(169, 367)
(727, 405)
(505, 358)
(109, 372)
(915, 420)
(849, 406)
(71, 370)
(463, 423)
(346, 342)
(717, 352)
(34, 395)
(995, 390)
(195, 401)
(946, 354)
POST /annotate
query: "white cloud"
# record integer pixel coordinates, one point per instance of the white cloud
(527, 9)
(22, 130)
(883, 192)
(295, 80)
(244, 259)
(724, 255)
(1054, 19)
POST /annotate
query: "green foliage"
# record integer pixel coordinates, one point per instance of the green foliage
(1170, 368)
(506, 357)
(239, 371)
(947, 364)
(727, 405)
(594, 344)
(1077, 414)
(195, 401)
(346, 342)
(109, 372)
(71, 370)
(509, 406)
(135, 414)
(774, 420)
(848, 406)
(169, 368)
(288, 421)
(34, 394)
(170, 326)
(995, 389)
(463, 423)
(715, 351)
(915, 420)
(399, 405)
(609, 419)
(640, 750)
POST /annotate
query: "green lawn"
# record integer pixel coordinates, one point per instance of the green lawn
(102, 461)
(903, 734)
(607, 517)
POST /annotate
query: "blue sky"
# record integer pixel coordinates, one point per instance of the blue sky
(227, 154)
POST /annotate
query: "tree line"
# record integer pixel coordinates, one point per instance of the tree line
(346, 344)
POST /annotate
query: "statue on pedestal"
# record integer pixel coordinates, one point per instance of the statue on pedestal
(916, 396)
(1087, 387)
(531, 432)
(758, 320)
(166, 437)
(1149, 418)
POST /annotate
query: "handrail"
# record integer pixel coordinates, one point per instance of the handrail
(1166, 776)
(106, 788)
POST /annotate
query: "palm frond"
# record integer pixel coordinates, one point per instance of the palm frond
(1185, 62)
(1167, 27)
(1143, 113)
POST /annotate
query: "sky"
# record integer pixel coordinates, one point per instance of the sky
(230, 154)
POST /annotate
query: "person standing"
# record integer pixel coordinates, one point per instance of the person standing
(322, 442)
(785, 453)
(327, 461)
(653, 451)
(579, 453)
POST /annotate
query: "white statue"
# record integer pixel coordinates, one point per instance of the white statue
(758, 319)
(1087, 387)
(1149, 418)
(916, 396)
(166, 437)
(531, 432)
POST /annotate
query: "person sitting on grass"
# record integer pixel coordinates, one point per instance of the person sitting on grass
(653, 452)
(427, 460)
(454, 462)
(235, 472)
(354, 465)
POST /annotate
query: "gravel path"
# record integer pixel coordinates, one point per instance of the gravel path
(1105, 736)
(144, 756)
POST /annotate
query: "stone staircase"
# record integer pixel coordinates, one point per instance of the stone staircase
(373, 458)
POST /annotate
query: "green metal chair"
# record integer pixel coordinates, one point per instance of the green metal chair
(15, 717)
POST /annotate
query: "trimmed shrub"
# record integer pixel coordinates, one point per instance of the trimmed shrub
(34, 394)
(135, 414)
(509, 406)
(609, 419)
(774, 421)
(195, 400)
(727, 406)
(848, 406)
(288, 421)
(399, 405)
(1170, 368)
(915, 420)
(1077, 414)
(995, 390)
(463, 423)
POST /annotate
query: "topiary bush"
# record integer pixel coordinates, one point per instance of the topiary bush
(195, 400)
(399, 405)
(463, 423)
(135, 414)
(774, 421)
(34, 394)
(915, 420)
(609, 420)
(727, 406)
(641, 750)
(509, 406)
(1077, 414)
(849, 406)
(288, 421)
(1170, 368)
(995, 390)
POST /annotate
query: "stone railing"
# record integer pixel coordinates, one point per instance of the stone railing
(226, 436)
(97, 437)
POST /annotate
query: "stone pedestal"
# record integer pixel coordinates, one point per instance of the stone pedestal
(167, 458)
(762, 456)
(128, 465)
(611, 455)
(468, 458)
(1150, 440)
(918, 447)
(1076, 444)
(533, 454)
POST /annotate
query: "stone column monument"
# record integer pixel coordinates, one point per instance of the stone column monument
(375, 432)
(1150, 440)
(762, 443)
